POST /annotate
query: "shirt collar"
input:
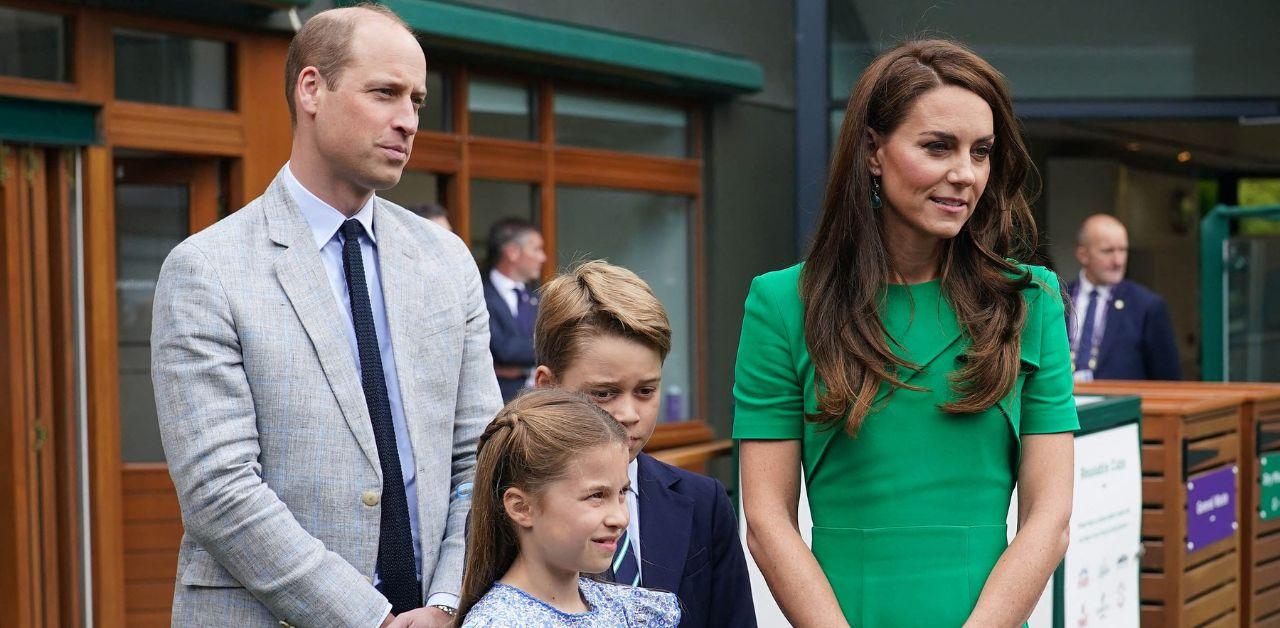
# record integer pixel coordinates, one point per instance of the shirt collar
(323, 219)
(633, 473)
(1086, 286)
(502, 283)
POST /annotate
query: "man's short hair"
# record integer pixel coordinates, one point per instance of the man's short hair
(325, 42)
(591, 300)
(504, 232)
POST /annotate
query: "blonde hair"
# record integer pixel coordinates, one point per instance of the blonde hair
(592, 299)
(527, 446)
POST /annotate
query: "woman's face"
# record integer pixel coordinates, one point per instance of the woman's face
(934, 166)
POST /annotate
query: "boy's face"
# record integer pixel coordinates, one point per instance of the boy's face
(622, 376)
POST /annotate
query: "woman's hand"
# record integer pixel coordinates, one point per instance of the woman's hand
(1045, 481)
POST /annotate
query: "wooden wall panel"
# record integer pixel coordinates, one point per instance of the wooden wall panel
(152, 533)
(268, 135)
(174, 129)
(599, 168)
(103, 392)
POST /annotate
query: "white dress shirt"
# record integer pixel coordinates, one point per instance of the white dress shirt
(633, 506)
(506, 288)
(325, 223)
(1099, 309)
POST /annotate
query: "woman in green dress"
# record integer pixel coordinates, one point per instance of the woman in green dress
(912, 368)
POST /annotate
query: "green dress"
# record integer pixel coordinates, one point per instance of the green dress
(909, 516)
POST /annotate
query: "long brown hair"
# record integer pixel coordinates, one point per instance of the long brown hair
(528, 445)
(848, 266)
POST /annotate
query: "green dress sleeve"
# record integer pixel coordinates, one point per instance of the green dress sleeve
(768, 396)
(1048, 406)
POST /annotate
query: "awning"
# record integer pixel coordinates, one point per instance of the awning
(578, 49)
(24, 120)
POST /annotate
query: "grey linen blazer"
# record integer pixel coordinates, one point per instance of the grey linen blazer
(265, 426)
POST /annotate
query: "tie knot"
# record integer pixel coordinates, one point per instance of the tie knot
(351, 229)
(1093, 294)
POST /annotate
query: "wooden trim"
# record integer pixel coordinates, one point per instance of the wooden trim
(66, 427)
(602, 168)
(174, 129)
(436, 152)
(695, 457)
(547, 188)
(507, 160)
(461, 188)
(668, 435)
(43, 498)
(15, 567)
(103, 388)
(700, 400)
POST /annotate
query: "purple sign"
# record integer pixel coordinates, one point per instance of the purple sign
(1211, 507)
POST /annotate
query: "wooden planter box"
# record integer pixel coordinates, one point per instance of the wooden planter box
(1259, 434)
(1182, 437)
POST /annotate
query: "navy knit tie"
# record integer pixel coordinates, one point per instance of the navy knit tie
(395, 543)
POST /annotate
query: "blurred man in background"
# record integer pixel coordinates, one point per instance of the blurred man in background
(515, 260)
(434, 212)
(1118, 329)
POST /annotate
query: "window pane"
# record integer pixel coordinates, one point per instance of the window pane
(150, 221)
(172, 70)
(594, 121)
(417, 191)
(33, 45)
(435, 112)
(1080, 50)
(648, 233)
(501, 109)
(492, 201)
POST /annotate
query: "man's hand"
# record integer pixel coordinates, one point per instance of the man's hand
(429, 617)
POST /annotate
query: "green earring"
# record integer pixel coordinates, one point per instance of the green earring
(876, 201)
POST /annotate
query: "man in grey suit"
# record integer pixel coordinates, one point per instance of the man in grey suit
(321, 366)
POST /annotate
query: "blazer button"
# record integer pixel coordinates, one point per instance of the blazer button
(370, 498)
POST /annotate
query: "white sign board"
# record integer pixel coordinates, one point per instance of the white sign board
(1102, 563)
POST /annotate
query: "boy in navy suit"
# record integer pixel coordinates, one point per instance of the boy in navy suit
(602, 332)
(1118, 329)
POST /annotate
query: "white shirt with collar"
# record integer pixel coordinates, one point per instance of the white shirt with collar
(633, 507)
(1099, 308)
(506, 288)
(325, 223)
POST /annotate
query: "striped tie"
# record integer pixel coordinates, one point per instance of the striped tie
(625, 569)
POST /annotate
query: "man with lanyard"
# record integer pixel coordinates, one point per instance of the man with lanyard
(1118, 329)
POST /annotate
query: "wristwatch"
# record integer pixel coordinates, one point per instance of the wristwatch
(449, 610)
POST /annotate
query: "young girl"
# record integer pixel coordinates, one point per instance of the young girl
(549, 505)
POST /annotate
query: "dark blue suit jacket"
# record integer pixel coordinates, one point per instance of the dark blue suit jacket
(689, 545)
(1137, 342)
(508, 346)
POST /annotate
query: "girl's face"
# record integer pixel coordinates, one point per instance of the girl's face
(622, 376)
(934, 166)
(572, 525)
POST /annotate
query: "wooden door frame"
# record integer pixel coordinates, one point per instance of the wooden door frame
(40, 562)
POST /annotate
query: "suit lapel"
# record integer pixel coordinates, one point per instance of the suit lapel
(666, 525)
(301, 273)
(491, 295)
(407, 273)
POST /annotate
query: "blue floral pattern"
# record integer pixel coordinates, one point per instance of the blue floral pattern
(611, 605)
